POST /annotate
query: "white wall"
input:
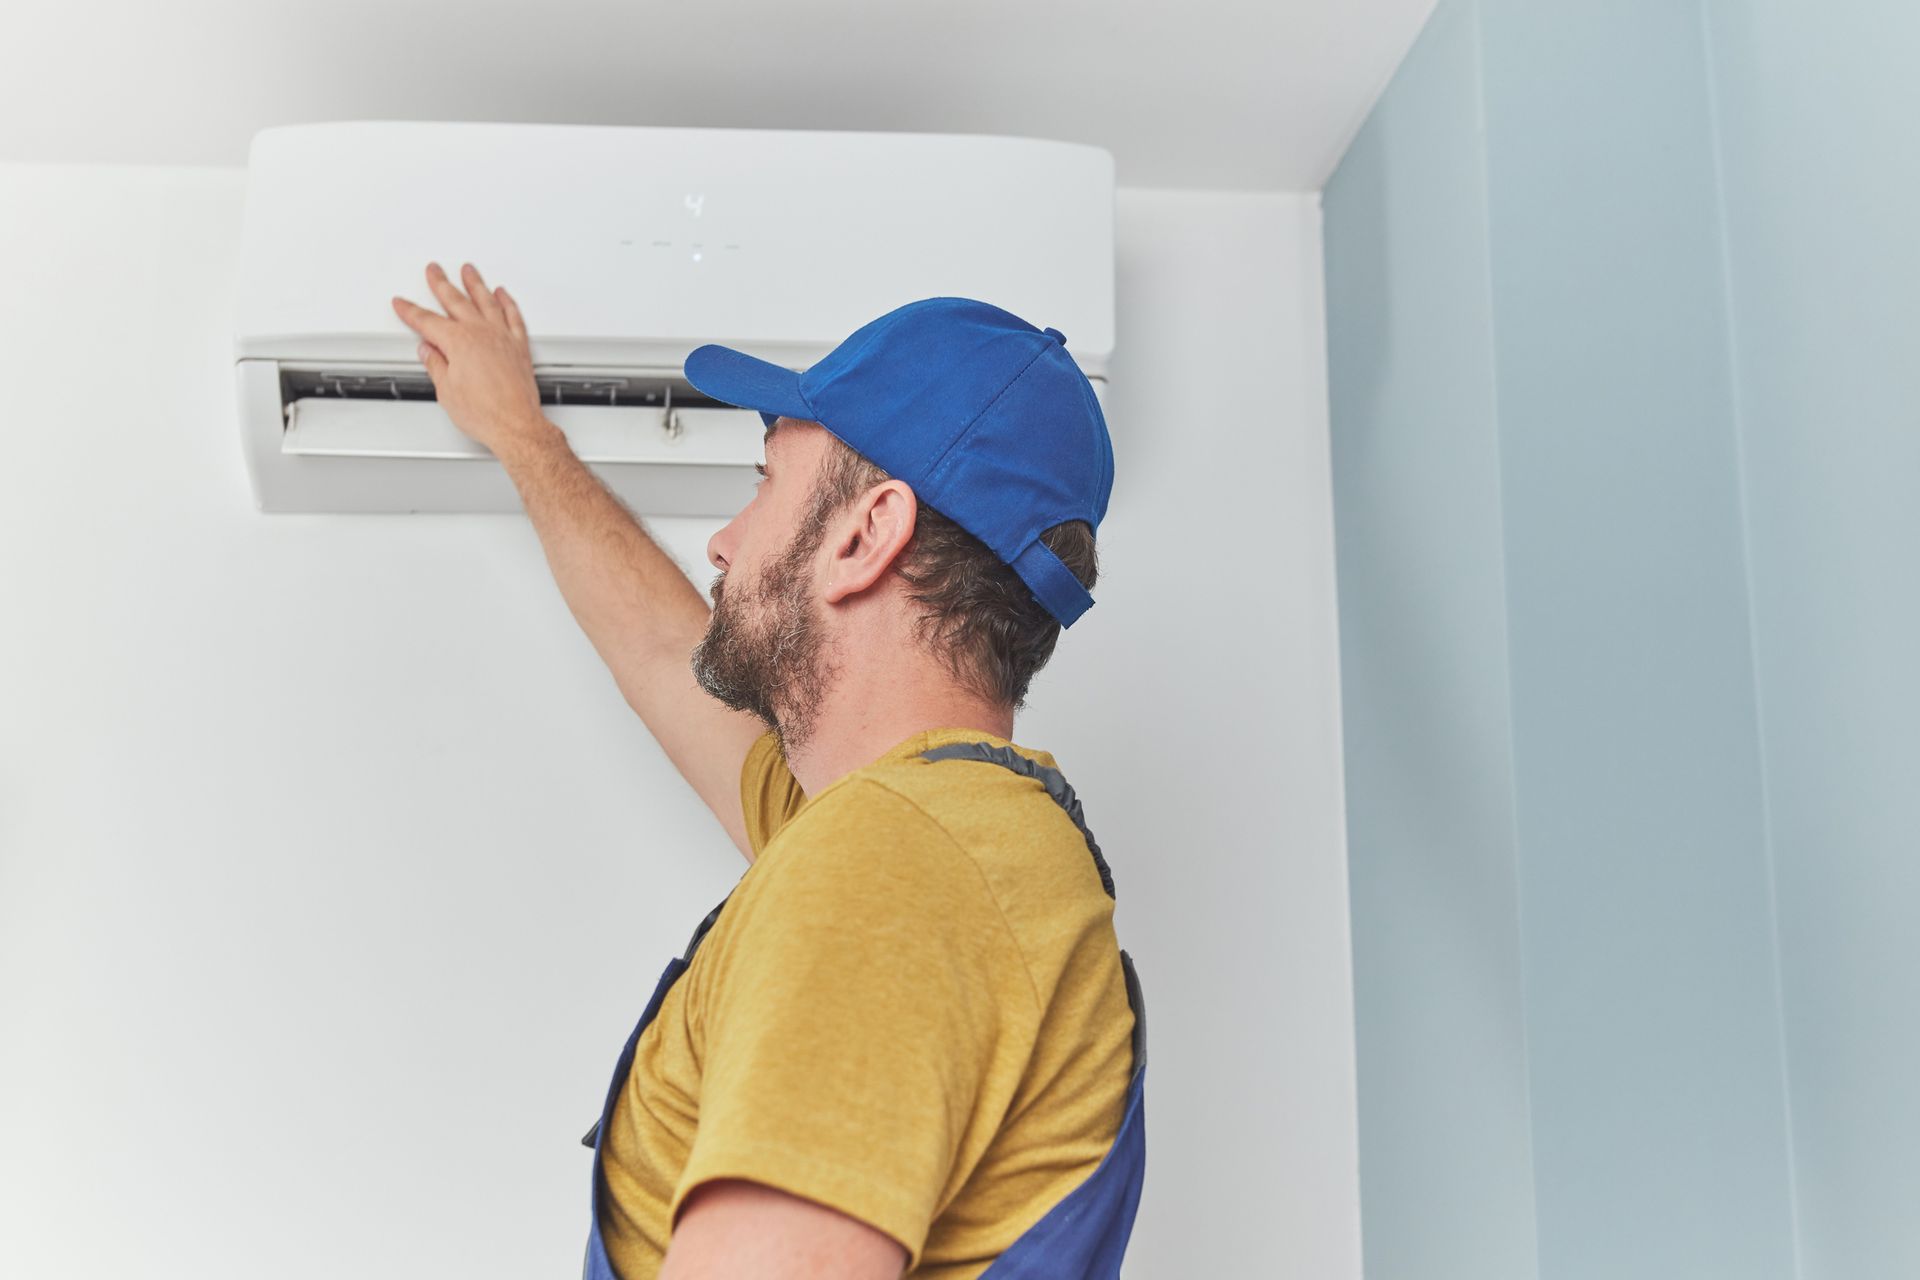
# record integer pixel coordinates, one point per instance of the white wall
(333, 869)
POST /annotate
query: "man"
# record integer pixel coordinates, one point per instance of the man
(907, 1042)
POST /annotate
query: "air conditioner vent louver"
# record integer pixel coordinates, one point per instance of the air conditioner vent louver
(371, 382)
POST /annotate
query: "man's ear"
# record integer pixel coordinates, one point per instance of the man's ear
(874, 530)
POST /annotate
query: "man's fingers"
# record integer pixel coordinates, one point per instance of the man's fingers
(431, 357)
(511, 310)
(458, 305)
(483, 300)
(429, 324)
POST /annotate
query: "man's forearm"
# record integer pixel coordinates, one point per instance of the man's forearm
(632, 600)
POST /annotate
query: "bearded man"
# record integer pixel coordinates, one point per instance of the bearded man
(907, 1043)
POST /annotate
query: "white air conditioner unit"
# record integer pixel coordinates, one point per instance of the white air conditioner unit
(626, 249)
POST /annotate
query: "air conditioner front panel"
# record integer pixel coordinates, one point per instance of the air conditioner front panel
(633, 245)
(626, 248)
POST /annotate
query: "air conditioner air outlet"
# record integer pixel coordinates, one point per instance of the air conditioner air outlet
(557, 386)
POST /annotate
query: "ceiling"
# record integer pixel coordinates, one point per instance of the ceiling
(1222, 94)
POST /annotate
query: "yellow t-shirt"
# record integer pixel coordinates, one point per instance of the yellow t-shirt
(911, 1009)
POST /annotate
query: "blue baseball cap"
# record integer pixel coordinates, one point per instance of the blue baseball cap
(986, 418)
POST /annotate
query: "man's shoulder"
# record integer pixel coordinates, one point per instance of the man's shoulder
(948, 767)
(982, 793)
(865, 861)
(943, 793)
(860, 816)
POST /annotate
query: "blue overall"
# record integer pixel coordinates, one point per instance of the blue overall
(1084, 1235)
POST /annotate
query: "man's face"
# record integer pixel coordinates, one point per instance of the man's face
(766, 650)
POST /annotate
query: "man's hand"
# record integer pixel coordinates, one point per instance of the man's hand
(478, 358)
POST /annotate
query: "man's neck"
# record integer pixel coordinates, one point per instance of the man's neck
(853, 731)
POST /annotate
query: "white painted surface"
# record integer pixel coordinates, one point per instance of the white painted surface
(333, 870)
(1240, 94)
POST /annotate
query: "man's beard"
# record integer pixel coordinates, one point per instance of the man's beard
(766, 654)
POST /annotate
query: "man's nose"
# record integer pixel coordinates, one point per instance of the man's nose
(718, 547)
(722, 545)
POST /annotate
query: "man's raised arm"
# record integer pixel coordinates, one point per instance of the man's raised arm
(637, 608)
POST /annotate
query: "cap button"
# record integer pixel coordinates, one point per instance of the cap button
(1056, 335)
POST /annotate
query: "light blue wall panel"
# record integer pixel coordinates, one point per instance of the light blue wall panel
(1538, 518)
(1659, 1114)
(1819, 107)
(1446, 1188)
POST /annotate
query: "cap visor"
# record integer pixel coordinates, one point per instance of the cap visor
(736, 378)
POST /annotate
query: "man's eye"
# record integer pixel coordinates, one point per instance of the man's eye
(761, 468)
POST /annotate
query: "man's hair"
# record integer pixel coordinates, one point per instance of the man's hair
(978, 615)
